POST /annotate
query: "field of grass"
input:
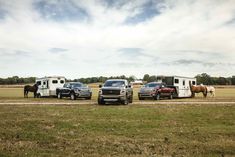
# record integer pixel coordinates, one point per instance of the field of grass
(135, 130)
(117, 130)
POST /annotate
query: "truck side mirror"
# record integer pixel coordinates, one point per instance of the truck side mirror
(100, 86)
(129, 86)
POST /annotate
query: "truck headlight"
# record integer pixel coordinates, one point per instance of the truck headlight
(100, 92)
(122, 91)
(77, 90)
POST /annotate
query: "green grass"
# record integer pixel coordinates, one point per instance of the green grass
(136, 130)
(111, 130)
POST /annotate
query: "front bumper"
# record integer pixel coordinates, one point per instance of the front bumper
(112, 98)
(146, 95)
(83, 94)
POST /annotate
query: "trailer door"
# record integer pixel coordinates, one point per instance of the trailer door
(45, 88)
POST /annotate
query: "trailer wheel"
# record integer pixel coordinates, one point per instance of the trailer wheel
(59, 96)
(72, 96)
(39, 95)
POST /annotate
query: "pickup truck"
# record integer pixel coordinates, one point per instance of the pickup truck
(115, 90)
(156, 91)
(74, 90)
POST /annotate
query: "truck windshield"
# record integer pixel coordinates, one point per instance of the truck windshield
(114, 84)
(152, 85)
(75, 85)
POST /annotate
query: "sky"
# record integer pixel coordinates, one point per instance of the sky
(84, 38)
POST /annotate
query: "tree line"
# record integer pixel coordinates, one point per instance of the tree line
(203, 78)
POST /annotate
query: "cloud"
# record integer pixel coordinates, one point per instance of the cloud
(60, 10)
(13, 53)
(57, 50)
(133, 53)
(197, 35)
(145, 12)
(3, 13)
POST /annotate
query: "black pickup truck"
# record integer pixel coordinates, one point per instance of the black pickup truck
(74, 90)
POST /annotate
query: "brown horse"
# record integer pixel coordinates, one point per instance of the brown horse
(29, 88)
(198, 89)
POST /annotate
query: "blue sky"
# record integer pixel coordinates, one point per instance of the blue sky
(82, 38)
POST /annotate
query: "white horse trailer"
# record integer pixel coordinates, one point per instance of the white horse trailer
(47, 85)
(182, 84)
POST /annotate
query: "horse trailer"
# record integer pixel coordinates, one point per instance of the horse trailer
(47, 85)
(180, 83)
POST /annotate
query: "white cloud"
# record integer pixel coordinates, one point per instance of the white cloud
(184, 30)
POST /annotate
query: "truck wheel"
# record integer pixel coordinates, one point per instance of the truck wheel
(72, 96)
(59, 96)
(101, 101)
(171, 96)
(131, 99)
(88, 98)
(140, 98)
(158, 96)
(125, 102)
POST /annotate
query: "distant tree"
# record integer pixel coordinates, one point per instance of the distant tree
(152, 78)
(233, 80)
(204, 78)
(146, 77)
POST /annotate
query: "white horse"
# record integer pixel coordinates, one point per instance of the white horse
(211, 90)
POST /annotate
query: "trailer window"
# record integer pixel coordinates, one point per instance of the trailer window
(61, 81)
(39, 83)
(54, 81)
(183, 82)
(176, 80)
(194, 82)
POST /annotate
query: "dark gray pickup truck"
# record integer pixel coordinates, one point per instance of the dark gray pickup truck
(115, 90)
(74, 90)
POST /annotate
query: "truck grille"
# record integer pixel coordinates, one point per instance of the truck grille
(110, 92)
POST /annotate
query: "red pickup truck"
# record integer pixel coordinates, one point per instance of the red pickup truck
(156, 90)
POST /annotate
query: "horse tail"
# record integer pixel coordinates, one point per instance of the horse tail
(190, 86)
(205, 92)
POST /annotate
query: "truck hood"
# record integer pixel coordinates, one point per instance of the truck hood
(146, 89)
(82, 88)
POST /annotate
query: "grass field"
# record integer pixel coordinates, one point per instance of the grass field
(117, 130)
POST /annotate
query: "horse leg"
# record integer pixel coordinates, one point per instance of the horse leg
(204, 94)
(193, 94)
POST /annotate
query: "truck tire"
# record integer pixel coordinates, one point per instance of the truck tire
(131, 99)
(140, 98)
(88, 98)
(158, 96)
(125, 102)
(101, 101)
(171, 96)
(72, 96)
(59, 96)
